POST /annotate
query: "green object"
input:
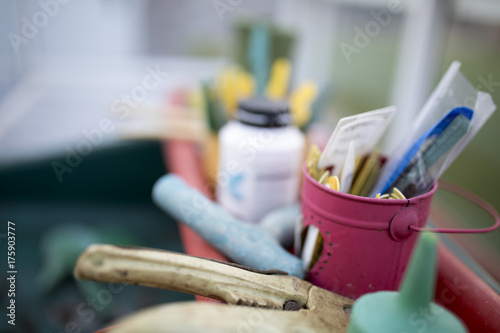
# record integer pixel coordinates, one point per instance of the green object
(61, 246)
(282, 43)
(320, 103)
(411, 308)
(215, 115)
(258, 56)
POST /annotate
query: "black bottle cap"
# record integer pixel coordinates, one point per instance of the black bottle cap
(263, 112)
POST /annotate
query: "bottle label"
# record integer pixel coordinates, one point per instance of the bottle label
(258, 187)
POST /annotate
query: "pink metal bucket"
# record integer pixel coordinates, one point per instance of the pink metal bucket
(367, 242)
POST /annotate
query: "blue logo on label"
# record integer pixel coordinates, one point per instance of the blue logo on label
(235, 186)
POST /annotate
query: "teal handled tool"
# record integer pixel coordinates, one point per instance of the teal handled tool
(246, 244)
(280, 223)
(410, 310)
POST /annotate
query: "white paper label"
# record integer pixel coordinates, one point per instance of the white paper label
(348, 169)
(365, 129)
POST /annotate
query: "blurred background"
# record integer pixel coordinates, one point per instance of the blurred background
(75, 169)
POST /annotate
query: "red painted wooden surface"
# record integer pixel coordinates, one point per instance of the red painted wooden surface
(182, 159)
(464, 293)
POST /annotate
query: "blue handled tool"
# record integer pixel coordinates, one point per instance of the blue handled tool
(246, 244)
(429, 148)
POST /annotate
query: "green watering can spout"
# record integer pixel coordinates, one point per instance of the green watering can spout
(410, 309)
(419, 283)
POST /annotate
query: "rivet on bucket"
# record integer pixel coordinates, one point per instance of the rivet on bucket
(400, 224)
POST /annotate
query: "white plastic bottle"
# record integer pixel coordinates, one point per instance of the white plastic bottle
(260, 157)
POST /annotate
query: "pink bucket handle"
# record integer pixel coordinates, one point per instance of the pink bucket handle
(455, 189)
